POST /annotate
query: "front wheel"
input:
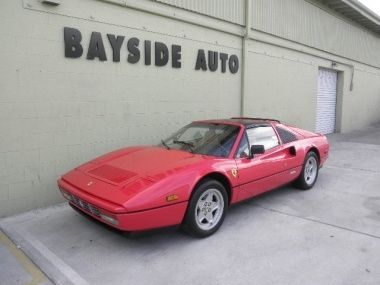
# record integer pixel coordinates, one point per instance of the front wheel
(309, 173)
(207, 209)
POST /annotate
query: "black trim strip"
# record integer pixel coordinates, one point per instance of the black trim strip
(155, 208)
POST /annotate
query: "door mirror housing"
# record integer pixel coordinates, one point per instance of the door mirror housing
(256, 149)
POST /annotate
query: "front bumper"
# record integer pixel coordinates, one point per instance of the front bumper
(126, 221)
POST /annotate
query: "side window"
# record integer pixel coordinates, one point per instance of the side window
(243, 150)
(285, 135)
(262, 135)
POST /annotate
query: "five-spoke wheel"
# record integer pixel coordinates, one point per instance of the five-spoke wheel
(309, 173)
(311, 169)
(209, 209)
(206, 209)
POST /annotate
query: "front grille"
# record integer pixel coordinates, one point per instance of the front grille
(85, 205)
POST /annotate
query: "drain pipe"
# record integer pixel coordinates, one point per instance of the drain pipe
(245, 39)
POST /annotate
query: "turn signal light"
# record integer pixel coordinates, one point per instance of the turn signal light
(109, 219)
(67, 195)
(171, 198)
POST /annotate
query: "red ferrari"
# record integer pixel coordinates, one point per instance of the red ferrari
(193, 176)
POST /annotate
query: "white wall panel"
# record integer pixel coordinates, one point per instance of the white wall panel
(309, 24)
(228, 10)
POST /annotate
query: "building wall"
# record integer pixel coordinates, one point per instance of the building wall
(283, 81)
(228, 10)
(57, 112)
(311, 24)
(361, 106)
(291, 40)
(275, 85)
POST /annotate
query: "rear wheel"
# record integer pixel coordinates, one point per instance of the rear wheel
(309, 173)
(207, 209)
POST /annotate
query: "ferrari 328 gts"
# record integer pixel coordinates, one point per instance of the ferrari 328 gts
(193, 176)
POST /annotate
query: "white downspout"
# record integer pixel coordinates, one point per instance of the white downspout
(245, 39)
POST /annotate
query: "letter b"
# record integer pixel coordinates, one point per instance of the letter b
(73, 48)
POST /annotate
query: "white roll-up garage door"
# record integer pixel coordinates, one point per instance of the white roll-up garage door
(326, 101)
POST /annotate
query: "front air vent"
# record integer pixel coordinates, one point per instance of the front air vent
(85, 206)
(113, 174)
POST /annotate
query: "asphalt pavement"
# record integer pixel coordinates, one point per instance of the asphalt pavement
(327, 235)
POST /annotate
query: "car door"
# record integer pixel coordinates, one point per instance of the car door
(265, 171)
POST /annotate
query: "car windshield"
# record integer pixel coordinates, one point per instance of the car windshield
(204, 138)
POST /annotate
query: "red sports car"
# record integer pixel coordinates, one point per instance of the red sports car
(193, 176)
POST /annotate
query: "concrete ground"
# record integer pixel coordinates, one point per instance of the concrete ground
(16, 267)
(328, 235)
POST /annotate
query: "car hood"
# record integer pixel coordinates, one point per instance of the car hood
(151, 163)
(126, 176)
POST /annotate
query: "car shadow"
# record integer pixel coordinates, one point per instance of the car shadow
(232, 217)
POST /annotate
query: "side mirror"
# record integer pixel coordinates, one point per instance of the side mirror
(256, 149)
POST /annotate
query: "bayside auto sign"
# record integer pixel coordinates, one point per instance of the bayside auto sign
(212, 62)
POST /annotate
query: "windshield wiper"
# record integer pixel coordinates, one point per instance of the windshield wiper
(188, 144)
(164, 144)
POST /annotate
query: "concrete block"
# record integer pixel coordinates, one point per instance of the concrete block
(22, 158)
(8, 79)
(4, 192)
(52, 154)
(116, 107)
(32, 46)
(73, 122)
(48, 173)
(52, 194)
(43, 108)
(20, 190)
(7, 44)
(32, 173)
(92, 108)
(41, 140)
(3, 167)
(64, 108)
(62, 138)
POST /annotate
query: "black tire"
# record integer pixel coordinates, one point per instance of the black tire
(212, 187)
(303, 182)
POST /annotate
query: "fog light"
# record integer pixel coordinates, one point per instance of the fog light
(67, 195)
(109, 219)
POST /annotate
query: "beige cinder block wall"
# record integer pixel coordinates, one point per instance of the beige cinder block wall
(289, 43)
(283, 81)
(57, 112)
